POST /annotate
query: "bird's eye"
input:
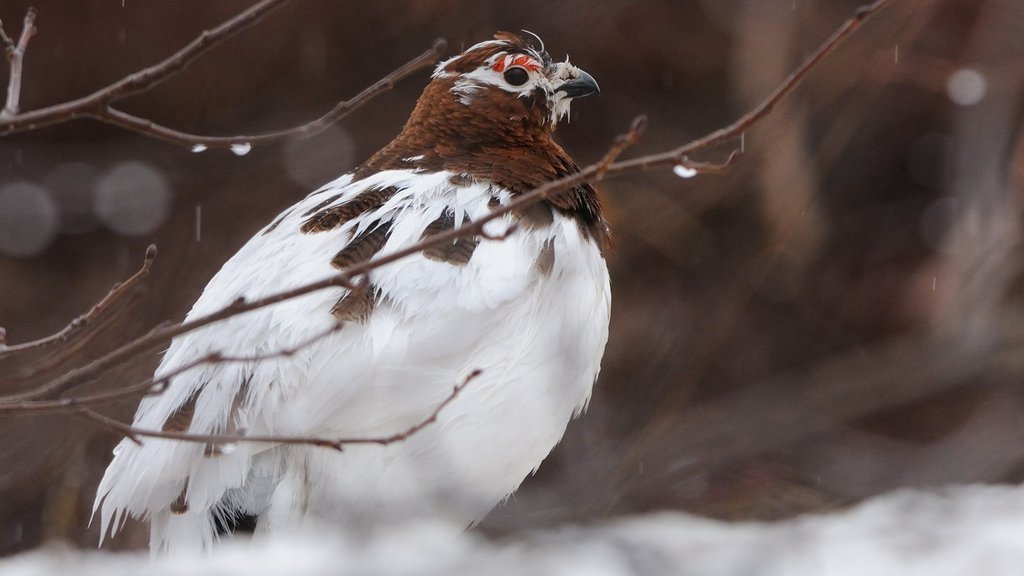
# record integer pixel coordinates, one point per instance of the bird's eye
(516, 76)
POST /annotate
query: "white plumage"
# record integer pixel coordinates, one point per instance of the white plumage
(529, 312)
(536, 336)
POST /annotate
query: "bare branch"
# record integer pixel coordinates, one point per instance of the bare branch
(140, 81)
(8, 42)
(157, 385)
(146, 127)
(712, 167)
(116, 293)
(83, 374)
(15, 59)
(679, 155)
(622, 142)
(135, 434)
(99, 104)
(512, 229)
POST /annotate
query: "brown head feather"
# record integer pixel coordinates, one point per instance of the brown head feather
(497, 136)
(506, 42)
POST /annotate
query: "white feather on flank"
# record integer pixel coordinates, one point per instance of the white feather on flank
(537, 337)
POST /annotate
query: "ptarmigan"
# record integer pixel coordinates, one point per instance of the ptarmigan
(529, 311)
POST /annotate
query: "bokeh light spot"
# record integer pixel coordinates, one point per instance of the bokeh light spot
(133, 198)
(28, 219)
(966, 87)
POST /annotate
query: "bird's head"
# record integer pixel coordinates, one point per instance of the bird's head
(505, 89)
(487, 115)
(510, 73)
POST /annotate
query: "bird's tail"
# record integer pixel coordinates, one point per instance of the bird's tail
(174, 534)
(174, 486)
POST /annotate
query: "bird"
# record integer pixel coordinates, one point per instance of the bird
(517, 315)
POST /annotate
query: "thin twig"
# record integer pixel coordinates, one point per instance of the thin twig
(157, 385)
(83, 374)
(111, 115)
(142, 80)
(118, 291)
(135, 434)
(622, 142)
(680, 154)
(7, 41)
(100, 104)
(15, 60)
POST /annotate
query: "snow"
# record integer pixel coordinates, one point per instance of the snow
(966, 530)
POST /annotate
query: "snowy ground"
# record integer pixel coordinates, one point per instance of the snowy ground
(971, 530)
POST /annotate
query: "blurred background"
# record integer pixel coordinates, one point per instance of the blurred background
(838, 316)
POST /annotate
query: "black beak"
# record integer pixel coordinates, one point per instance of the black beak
(582, 86)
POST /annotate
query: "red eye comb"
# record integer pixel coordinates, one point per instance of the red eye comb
(518, 60)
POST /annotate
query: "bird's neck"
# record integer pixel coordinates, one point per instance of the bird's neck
(505, 141)
(500, 138)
